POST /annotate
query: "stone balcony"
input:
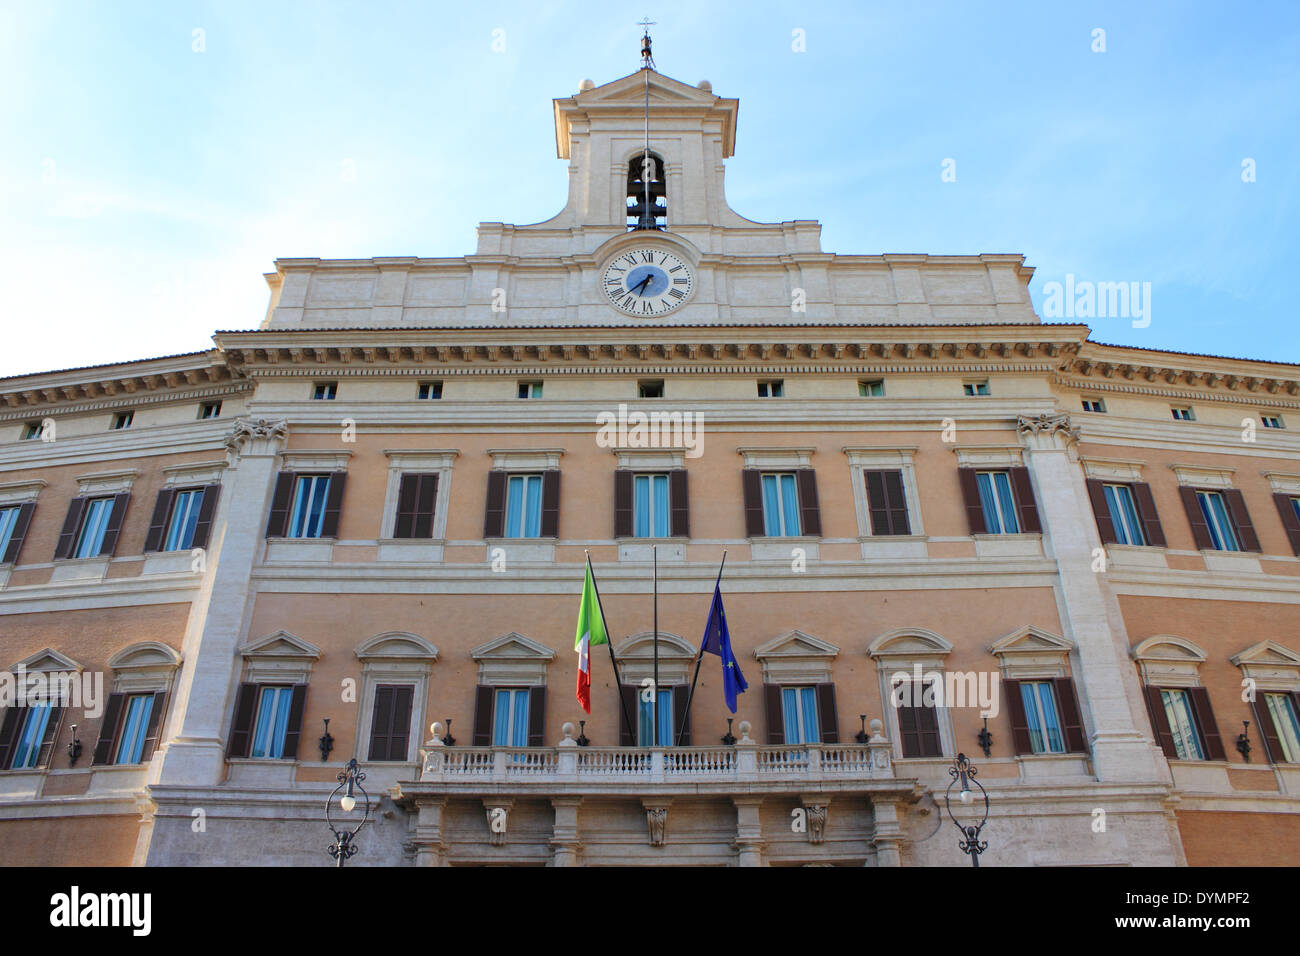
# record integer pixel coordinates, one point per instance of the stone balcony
(724, 788)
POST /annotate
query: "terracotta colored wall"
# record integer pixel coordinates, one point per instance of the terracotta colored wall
(69, 841)
(1211, 838)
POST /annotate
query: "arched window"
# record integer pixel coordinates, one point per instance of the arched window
(639, 215)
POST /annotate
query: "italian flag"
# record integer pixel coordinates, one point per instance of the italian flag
(591, 631)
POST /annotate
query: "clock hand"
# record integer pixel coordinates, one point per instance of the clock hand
(641, 285)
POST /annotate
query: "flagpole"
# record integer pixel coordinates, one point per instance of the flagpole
(654, 551)
(609, 642)
(699, 658)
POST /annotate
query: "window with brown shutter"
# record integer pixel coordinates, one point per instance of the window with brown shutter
(154, 728)
(71, 527)
(1160, 728)
(19, 533)
(162, 510)
(1274, 752)
(417, 493)
(483, 697)
(537, 716)
(1241, 519)
(810, 516)
(207, 512)
(115, 518)
(494, 513)
(751, 484)
(277, 524)
(1026, 505)
(1148, 515)
(108, 729)
(1071, 720)
(627, 710)
(293, 732)
(918, 725)
(1211, 741)
(9, 733)
(1020, 738)
(551, 503)
(827, 716)
(1288, 507)
(886, 503)
(390, 724)
(775, 713)
(333, 504)
(1101, 510)
(623, 503)
(1196, 518)
(681, 717)
(52, 725)
(240, 740)
(679, 502)
(968, 481)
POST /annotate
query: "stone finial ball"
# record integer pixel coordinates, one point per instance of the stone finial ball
(744, 728)
(704, 85)
(567, 729)
(435, 729)
(876, 726)
(586, 85)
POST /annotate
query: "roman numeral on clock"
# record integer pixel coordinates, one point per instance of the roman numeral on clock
(677, 293)
(681, 281)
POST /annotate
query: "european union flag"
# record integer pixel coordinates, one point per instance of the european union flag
(717, 640)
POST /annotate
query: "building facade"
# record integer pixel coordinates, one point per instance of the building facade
(375, 509)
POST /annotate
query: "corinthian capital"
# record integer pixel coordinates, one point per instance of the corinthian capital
(272, 431)
(1047, 431)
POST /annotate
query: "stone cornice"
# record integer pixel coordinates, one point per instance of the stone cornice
(111, 394)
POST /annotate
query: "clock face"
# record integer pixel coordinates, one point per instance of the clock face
(647, 282)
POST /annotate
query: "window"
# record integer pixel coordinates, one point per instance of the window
(390, 724)
(1041, 715)
(1124, 514)
(1272, 421)
(646, 719)
(8, 521)
(1094, 405)
(1182, 413)
(210, 410)
(1281, 709)
(417, 494)
(510, 713)
(307, 517)
(918, 719)
(33, 722)
(780, 506)
(135, 728)
(771, 389)
(184, 518)
(94, 524)
(653, 389)
(1182, 724)
(122, 420)
(638, 215)
(651, 514)
(998, 502)
(31, 430)
(430, 390)
(1215, 512)
(886, 502)
(530, 389)
(325, 391)
(872, 389)
(524, 506)
(799, 715)
(976, 388)
(270, 729)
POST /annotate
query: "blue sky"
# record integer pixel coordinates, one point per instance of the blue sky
(147, 187)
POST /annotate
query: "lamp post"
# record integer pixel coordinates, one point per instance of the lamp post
(964, 774)
(350, 776)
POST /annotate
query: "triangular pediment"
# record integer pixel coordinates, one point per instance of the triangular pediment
(280, 644)
(630, 90)
(512, 646)
(1267, 652)
(1031, 640)
(795, 644)
(46, 661)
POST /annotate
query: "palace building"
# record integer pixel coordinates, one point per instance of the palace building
(375, 510)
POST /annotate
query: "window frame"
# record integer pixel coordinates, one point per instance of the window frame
(1121, 518)
(775, 388)
(526, 519)
(1277, 419)
(424, 391)
(47, 709)
(1218, 523)
(1177, 732)
(529, 389)
(1099, 402)
(1182, 413)
(783, 531)
(80, 539)
(649, 499)
(865, 385)
(1038, 734)
(976, 388)
(999, 504)
(209, 410)
(324, 391)
(296, 501)
(651, 384)
(122, 420)
(284, 693)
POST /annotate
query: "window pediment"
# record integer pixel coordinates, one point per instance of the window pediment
(396, 646)
(1031, 652)
(909, 644)
(1165, 660)
(512, 659)
(795, 658)
(47, 661)
(1270, 665)
(636, 658)
(144, 666)
(279, 658)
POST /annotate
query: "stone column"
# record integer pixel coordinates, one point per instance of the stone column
(1089, 610)
(749, 830)
(887, 833)
(193, 749)
(564, 838)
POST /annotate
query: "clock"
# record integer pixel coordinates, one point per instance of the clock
(647, 282)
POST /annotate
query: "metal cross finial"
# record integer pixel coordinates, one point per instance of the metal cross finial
(647, 62)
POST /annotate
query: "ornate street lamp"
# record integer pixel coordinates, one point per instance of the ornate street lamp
(963, 773)
(350, 776)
